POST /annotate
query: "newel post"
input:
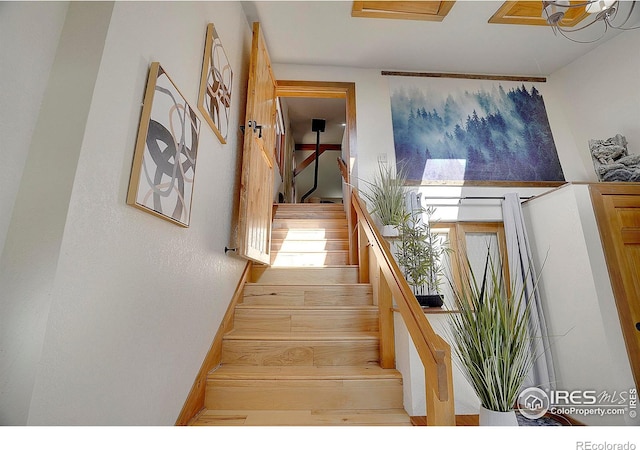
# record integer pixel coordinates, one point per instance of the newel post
(440, 408)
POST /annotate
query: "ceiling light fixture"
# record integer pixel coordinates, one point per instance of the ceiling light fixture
(603, 12)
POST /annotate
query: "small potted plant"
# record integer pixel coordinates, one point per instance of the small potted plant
(385, 197)
(419, 253)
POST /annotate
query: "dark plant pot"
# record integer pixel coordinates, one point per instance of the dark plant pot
(431, 300)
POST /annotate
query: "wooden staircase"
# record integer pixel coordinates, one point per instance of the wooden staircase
(304, 348)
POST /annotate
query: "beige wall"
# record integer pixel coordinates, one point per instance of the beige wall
(598, 96)
(118, 308)
(30, 58)
(584, 329)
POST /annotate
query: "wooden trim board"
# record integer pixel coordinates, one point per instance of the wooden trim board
(195, 400)
(434, 11)
(467, 76)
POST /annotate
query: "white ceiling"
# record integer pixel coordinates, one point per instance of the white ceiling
(324, 33)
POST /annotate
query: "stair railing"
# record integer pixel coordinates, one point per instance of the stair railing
(378, 267)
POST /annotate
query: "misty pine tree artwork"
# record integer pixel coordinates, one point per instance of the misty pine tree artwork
(472, 131)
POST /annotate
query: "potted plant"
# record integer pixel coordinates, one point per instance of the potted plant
(385, 197)
(419, 254)
(491, 342)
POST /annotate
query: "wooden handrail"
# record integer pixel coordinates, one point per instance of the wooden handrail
(434, 352)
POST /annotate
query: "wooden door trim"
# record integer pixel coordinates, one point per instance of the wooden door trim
(598, 192)
(327, 89)
(333, 89)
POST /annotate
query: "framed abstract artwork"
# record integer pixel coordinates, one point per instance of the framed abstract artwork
(164, 161)
(214, 99)
(473, 132)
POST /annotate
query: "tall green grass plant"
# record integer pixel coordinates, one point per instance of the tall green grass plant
(385, 194)
(490, 337)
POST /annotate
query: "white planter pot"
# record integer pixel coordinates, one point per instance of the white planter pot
(497, 418)
(389, 231)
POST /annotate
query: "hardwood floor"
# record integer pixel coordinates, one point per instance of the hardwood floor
(467, 420)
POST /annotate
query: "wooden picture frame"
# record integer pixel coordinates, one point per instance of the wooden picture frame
(164, 161)
(214, 98)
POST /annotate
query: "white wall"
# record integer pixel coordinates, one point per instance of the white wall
(107, 319)
(133, 301)
(586, 340)
(375, 139)
(409, 364)
(33, 242)
(599, 98)
(329, 179)
(25, 69)
(596, 97)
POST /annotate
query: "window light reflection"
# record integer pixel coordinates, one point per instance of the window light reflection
(302, 247)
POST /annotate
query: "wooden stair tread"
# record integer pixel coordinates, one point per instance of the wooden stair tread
(377, 417)
(290, 287)
(314, 207)
(321, 258)
(310, 252)
(309, 224)
(333, 266)
(305, 346)
(305, 336)
(338, 266)
(303, 245)
(312, 295)
(310, 233)
(320, 270)
(329, 275)
(231, 371)
(310, 286)
(311, 308)
(308, 206)
(303, 418)
(306, 214)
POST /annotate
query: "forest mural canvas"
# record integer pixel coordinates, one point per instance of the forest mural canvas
(472, 131)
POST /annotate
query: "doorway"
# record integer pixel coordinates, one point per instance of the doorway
(299, 102)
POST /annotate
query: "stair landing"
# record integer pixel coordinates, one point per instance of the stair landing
(309, 235)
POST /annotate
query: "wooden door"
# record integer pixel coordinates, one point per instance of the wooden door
(617, 208)
(258, 160)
